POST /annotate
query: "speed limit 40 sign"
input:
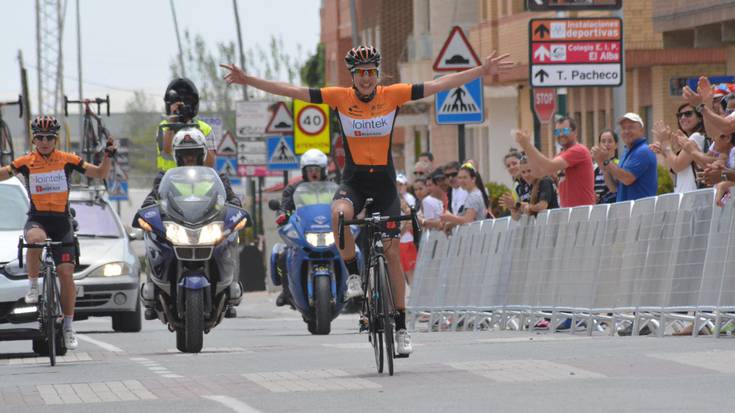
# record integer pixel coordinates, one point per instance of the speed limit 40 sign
(311, 126)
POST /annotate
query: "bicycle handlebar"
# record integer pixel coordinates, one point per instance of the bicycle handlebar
(372, 221)
(87, 102)
(18, 102)
(48, 243)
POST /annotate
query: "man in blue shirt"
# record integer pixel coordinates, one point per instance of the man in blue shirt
(636, 175)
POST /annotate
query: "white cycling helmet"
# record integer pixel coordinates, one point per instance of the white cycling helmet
(314, 157)
(187, 142)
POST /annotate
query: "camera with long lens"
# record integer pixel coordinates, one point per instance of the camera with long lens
(185, 112)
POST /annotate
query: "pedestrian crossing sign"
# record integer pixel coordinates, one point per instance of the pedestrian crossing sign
(281, 156)
(226, 165)
(464, 104)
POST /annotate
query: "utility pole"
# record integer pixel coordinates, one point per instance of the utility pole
(242, 53)
(79, 72)
(178, 39)
(353, 22)
(26, 103)
(618, 93)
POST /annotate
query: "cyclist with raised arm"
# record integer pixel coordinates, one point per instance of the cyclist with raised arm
(182, 106)
(367, 114)
(47, 174)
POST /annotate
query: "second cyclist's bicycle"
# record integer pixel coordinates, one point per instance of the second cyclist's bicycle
(51, 340)
(94, 138)
(378, 303)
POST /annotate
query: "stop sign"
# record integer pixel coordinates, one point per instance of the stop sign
(544, 103)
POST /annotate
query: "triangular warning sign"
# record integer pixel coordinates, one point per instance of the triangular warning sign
(283, 153)
(227, 146)
(281, 121)
(459, 101)
(456, 54)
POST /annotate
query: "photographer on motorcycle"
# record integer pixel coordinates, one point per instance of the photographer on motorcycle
(313, 169)
(182, 106)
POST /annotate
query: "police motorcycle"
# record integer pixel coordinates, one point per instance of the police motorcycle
(315, 271)
(191, 240)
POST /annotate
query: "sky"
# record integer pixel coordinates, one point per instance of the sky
(128, 45)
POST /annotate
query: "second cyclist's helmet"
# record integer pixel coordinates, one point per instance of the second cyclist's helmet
(182, 90)
(45, 124)
(362, 55)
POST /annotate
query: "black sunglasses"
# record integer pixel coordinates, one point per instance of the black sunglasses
(47, 138)
(686, 114)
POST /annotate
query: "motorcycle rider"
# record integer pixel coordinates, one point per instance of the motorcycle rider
(182, 106)
(189, 149)
(313, 169)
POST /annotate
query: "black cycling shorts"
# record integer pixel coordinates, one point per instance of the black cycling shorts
(385, 201)
(59, 229)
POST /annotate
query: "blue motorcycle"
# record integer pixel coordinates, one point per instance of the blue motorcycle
(191, 239)
(315, 271)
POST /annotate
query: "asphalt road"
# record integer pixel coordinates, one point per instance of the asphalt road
(265, 361)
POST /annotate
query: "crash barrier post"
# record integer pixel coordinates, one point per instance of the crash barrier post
(637, 264)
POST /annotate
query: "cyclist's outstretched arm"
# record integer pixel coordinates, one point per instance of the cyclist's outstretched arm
(493, 65)
(237, 75)
(99, 171)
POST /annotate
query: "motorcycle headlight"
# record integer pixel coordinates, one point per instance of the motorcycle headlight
(211, 233)
(112, 269)
(320, 239)
(176, 233)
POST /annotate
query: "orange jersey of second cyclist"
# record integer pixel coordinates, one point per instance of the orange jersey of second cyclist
(47, 179)
(367, 126)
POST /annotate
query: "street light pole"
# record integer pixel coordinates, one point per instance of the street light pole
(242, 53)
(178, 39)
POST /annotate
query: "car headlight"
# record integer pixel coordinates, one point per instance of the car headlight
(209, 234)
(112, 269)
(320, 239)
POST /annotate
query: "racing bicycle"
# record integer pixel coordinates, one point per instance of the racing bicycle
(49, 301)
(7, 153)
(94, 138)
(378, 301)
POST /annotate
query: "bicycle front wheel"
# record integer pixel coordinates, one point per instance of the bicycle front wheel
(49, 296)
(386, 301)
(6, 145)
(376, 334)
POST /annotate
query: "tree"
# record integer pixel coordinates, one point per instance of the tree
(312, 73)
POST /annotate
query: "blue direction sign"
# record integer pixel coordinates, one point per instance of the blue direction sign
(281, 155)
(464, 104)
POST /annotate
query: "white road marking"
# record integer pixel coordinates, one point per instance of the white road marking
(720, 361)
(106, 346)
(531, 339)
(234, 404)
(155, 367)
(309, 380)
(517, 371)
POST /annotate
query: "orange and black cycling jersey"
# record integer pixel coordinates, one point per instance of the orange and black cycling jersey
(47, 179)
(367, 127)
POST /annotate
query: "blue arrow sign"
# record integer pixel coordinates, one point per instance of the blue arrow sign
(464, 104)
(281, 155)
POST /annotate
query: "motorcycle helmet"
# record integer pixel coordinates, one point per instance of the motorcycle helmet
(187, 142)
(314, 157)
(182, 90)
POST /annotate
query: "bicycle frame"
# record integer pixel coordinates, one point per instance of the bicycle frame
(93, 143)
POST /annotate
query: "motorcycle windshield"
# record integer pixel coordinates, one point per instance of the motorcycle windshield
(192, 194)
(311, 193)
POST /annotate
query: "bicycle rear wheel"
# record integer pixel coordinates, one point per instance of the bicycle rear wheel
(386, 309)
(6, 145)
(49, 296)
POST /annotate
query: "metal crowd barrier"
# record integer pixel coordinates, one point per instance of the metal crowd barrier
(647, 263)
